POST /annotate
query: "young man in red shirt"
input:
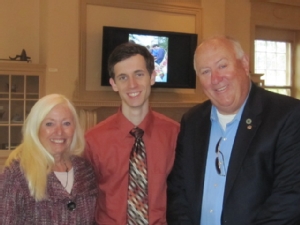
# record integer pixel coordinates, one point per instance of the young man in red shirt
(109, 144)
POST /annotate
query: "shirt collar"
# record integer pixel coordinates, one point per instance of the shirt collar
(124, 125)
(214, 116)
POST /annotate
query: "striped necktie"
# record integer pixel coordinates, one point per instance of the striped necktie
(137, 208)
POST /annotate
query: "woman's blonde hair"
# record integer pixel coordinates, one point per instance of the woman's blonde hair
(35, 161)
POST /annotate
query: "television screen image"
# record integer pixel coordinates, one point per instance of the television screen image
(158, 47)
(173, 54)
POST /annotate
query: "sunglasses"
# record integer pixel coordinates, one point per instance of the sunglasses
(220, 163)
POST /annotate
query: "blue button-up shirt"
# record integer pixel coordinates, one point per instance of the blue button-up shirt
(214, 184)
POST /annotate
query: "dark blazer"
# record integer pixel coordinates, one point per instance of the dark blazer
(263, 176)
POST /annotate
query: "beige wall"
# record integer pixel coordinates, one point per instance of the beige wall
(49, 31)
(237, 21)
(60, 44)
(99, 16)
(19, 28)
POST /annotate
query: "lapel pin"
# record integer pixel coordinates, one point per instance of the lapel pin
(248, 121)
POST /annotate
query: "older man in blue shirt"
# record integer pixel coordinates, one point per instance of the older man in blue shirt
(238, 153)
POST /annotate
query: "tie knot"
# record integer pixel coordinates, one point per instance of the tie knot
(137, 132)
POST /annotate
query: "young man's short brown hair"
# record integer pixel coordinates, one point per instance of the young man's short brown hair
(125, 51)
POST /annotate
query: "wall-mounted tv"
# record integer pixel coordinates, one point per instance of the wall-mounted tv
(173, 54)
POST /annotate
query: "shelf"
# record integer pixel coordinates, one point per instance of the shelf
(22, 85)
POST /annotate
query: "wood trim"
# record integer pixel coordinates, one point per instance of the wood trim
(284, 2)
(155, 4)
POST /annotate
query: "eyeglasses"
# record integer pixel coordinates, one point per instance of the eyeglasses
(220, 163)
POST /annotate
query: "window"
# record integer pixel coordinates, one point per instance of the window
(273, 59)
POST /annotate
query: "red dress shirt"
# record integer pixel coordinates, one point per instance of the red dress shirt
(108, 148)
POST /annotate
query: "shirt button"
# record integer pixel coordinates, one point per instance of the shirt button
(224, 139)
(215, 185)
(211, 211)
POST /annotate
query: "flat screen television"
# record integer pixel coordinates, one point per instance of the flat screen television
(173, 54)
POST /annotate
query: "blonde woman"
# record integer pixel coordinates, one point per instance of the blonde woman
(45, 179)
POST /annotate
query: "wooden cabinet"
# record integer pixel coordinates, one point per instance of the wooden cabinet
(21, 85)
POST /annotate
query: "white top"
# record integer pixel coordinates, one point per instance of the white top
(224, 119)
(66, 179)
